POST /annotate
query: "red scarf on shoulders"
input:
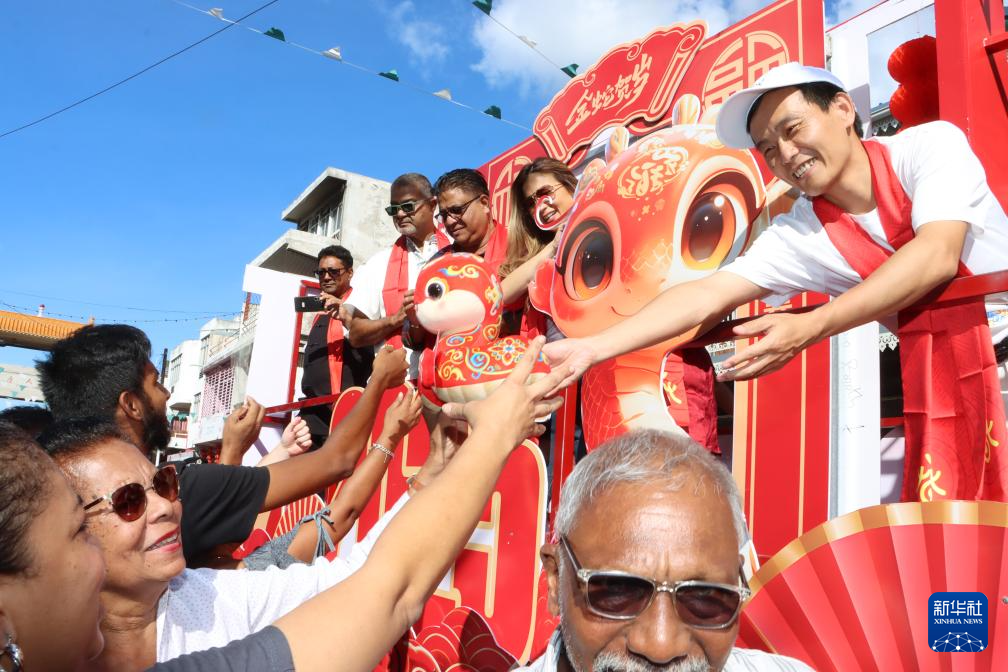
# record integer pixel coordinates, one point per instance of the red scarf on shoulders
(334, 345)
(397, 279)
(953, 414)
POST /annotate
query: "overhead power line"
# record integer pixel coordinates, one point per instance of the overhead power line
(134, 75)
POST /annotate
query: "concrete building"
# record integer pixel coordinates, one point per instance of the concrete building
(184, 382)
(338, 207)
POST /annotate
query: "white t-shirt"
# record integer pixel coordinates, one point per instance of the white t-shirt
(206, 608)
(369, 281)
(941, 176)
(740, 660)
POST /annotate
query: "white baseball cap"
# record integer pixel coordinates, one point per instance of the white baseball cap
(731, 120)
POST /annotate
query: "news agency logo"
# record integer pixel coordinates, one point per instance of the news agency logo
(957, 622)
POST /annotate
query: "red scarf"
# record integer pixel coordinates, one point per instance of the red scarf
(953, 413)
(397, 279)
(334, 345)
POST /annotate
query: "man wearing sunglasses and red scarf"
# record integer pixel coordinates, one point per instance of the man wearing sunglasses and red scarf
(381, 295)
(881, 224)
(644, 570)
(331, 365)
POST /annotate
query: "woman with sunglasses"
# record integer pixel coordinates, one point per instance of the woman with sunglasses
(541, 195)
(51, 571)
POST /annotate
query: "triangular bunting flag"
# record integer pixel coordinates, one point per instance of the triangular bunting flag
(483, 5)
(570, 70)
(276, 34)
(333, 53)
(528, 40)
(390, 74)
(443, 93)
(493, 111)
(218, 12)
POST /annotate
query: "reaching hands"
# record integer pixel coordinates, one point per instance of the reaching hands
(241, 429)
(390, 367)
(572, 357)
(402, 416)
(514, 406)
(783, 336)
(296, 438)
(405, 311)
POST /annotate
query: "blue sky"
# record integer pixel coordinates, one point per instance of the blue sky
(157, 193)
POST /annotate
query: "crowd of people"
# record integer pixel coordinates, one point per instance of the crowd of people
(111, 562)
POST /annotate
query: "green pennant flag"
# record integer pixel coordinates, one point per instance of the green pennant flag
(483, 5)
(276, 34)
(493, 111)
(570, 70)
(390, 74)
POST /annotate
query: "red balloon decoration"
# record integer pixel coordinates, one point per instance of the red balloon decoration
(914, 64)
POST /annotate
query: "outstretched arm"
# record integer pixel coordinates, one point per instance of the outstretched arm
(304, 474)
(415, 551)
(365, 331)
(682, 312)
(346, 505)
(925, 262)
(517, 281)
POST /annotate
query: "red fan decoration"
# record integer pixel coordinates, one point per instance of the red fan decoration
(914, 64)
(852, 594)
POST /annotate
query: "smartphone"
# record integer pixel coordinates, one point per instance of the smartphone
(309, 304)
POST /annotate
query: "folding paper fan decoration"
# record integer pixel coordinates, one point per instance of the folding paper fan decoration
(852, 594)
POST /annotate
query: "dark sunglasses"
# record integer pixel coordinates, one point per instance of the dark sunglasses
(331, 272)
(130, 501)
(531, 201)
(455, 212)
(408, 207)
(624, 596)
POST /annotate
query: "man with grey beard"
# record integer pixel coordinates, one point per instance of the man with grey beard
(646, 574)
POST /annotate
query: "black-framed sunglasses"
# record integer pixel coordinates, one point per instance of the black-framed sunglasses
(130, 501)
(624, 596)
(335, 273)
(408, 207)
(546, 190)
(455, 212)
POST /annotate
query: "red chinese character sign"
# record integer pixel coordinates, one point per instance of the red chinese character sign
(633, 81)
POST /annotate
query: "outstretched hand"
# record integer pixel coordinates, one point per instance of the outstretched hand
(241, 429)
(402, 415)
(572, 356)
(514, 406)
(783, 335)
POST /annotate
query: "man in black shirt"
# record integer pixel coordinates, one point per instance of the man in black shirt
(331, 365)
(105, 371)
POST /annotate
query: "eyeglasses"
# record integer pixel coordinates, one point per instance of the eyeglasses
(547, 190)
(335, 273)
(455, 212)
(624, 596)
(408, 207)
(130, 501)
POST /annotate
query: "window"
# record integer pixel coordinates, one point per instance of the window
(204, 348)
(327, 221)
(196, 404)
(173, 372)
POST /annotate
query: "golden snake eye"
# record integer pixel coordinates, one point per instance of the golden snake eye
(711, 223)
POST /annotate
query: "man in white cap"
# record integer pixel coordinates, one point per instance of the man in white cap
(880, 225)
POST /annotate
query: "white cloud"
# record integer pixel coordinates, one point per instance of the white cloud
(580, 33)
(424, 39)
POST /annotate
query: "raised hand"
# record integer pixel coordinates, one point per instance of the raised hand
(402, 415)
(241, 429)
(296, 437)
(390, 367)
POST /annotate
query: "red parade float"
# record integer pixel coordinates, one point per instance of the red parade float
(842, 585)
